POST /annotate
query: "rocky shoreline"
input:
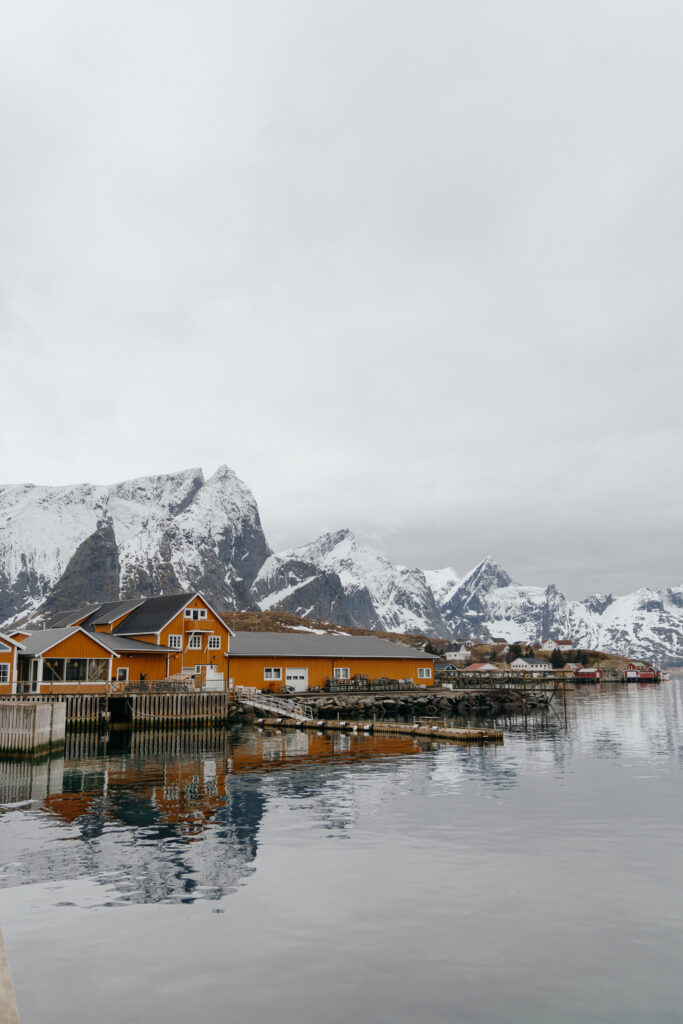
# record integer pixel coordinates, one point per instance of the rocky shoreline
(441, 704)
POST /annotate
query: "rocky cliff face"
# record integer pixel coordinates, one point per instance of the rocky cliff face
(367, 589)
(153, 535)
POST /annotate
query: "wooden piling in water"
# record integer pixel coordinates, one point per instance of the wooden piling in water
(8, 1004)
(179, 708)
(28, 728)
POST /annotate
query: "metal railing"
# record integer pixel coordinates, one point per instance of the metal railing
(268, 702)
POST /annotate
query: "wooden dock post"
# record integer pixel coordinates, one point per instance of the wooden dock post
(8, 1004)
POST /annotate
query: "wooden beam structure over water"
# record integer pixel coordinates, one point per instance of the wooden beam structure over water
(439, 732)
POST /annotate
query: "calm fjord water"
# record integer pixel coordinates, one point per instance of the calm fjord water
(298, 878)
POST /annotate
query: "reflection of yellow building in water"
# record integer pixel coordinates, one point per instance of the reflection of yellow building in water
(186, 790)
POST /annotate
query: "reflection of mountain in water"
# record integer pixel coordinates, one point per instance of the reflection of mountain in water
(167, 816)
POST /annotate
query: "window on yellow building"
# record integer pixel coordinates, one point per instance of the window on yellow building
(272, 673)
(342, 673)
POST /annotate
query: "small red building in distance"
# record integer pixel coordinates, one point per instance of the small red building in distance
(587, 675)
(638, 671)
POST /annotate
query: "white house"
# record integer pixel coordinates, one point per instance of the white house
(557, 645)
(535, 665)
(461, 655)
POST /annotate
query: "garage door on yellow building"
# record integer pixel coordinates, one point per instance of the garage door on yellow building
(297, 678)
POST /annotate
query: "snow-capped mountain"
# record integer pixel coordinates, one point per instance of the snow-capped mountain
(487, 603)
(362, 588)
(152, 535)
(62, 546)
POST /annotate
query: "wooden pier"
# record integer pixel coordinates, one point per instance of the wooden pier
(137, 709)
(439, 732)
(27, 728)
(146, 709)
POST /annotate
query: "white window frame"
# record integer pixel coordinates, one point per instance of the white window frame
(175, 640)
(195, 642)
(122, 675)
(214, 643)
(195, 614)
(4, 672)
(342, 673)
(272, 674)
(424, 673)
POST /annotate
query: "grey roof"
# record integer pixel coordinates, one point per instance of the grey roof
(314, 645)
(153, 614)
(72, 615)
(118, 644)
(114, 610)
(43, 639)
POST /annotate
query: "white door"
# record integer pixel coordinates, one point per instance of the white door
(213, 680)
(297, 678)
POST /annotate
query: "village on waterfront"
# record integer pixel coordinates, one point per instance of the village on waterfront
(174, 658)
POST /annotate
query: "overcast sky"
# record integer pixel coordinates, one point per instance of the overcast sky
(408, 267)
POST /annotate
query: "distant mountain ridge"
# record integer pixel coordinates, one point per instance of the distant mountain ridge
(62, 546)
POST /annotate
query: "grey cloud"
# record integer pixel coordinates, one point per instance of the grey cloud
(411, 268)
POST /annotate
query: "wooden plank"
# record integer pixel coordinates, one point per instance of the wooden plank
(8, 1005)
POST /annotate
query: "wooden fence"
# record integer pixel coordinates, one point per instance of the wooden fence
(79, 707)
(148, 708)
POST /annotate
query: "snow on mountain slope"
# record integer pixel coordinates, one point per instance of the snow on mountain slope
(487, 603)
(179, 531)
(208, 537)
(378, 595)
(443, 583)
(40, 528)
(172, 532)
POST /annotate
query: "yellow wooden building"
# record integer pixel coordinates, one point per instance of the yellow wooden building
(299, 661)
(9, 649)
(101, 648)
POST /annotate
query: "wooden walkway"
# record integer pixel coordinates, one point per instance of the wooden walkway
(439, 732)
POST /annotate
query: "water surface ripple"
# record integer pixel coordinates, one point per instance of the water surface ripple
(296, 877)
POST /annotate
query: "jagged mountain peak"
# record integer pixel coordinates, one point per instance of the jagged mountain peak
(378, 594)
(487, 574)
(172, 531)
(322, 546)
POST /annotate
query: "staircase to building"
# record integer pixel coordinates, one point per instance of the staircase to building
(275, 706)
